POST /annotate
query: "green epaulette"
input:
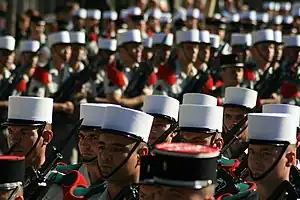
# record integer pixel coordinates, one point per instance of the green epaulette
(239, 196)
(226, 161)
(67, 168)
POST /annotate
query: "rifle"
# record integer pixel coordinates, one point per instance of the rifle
(285, 191)
(139, 79)
(130, 192)
(37, 183)
(75, 82)
(9, 85)
(228, 186)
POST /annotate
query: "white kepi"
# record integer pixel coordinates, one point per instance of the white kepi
(127, 122)
(260, 36)
(161, 106)
(31, 46)
(77, 37)
(93, 115)
(272, 128)
(131, 36)
(7, 43)
(283, 108)
(163, 39)
(200, 118)
(107, 44)
(199, 99)
(237, 96)
(33, 111)
(62, 37)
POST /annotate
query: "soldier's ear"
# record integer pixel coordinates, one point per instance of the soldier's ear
(47, 136)
(291, 158)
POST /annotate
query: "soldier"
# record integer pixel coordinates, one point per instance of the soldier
(240, 44)
(117, 80)
(205, 129)
(147, 53)
(77, 60)
(7, 47)
(177, 171)
(181, 69)
(153, 21)
(238, 102)
(271, 154)
(289, 88)
(28, 60)
(12, 177)
(25, 121)
(78, 19)
(93, 30)
(193, 16)
(93, 115)
(109, 24)
(165, 112)
(106, 52)
(162, 45)
(232, 73)
(121, 145)
(37, 29)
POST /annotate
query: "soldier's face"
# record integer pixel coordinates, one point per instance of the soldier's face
(197, 138)
(29, 58)
(132, 53)
(292, 54)
(113, 150)
(189, 52)
(204, 52)
(266, 51)
(159, 126)
(77, 52)
(147, 54)
(88, 145)
(232, 76)
(162, 53)
(233, 115)
(6, 57)
(279, 52)
(148, 192)
(62, 52)
(25, 137)
(262, 157)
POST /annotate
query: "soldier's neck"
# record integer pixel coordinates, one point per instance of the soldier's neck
(113, 190)
(187, 68)
(93, 172)
(263, 65)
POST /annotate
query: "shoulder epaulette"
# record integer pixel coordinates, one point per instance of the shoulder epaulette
(22, 86)
(152, 79)
(166, 74)
(249, 74)
(116, 76)
(42, 75)
(239, 196)
(67, 168)
(289, 90)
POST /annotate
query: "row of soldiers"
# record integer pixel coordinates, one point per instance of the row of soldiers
(166, 151)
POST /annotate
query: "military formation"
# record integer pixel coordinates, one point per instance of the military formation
(152, 105)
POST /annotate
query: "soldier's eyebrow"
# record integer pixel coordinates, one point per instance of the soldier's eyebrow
(119, 145)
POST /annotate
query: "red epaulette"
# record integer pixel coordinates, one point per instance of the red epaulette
(166, 74)
(258, 103)
(152, 79)
(289, 90)
(115, 76)
(208, 85)
(93, 37)
(42, 75)
(22, 87)
(218, 83)
(249, 75)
